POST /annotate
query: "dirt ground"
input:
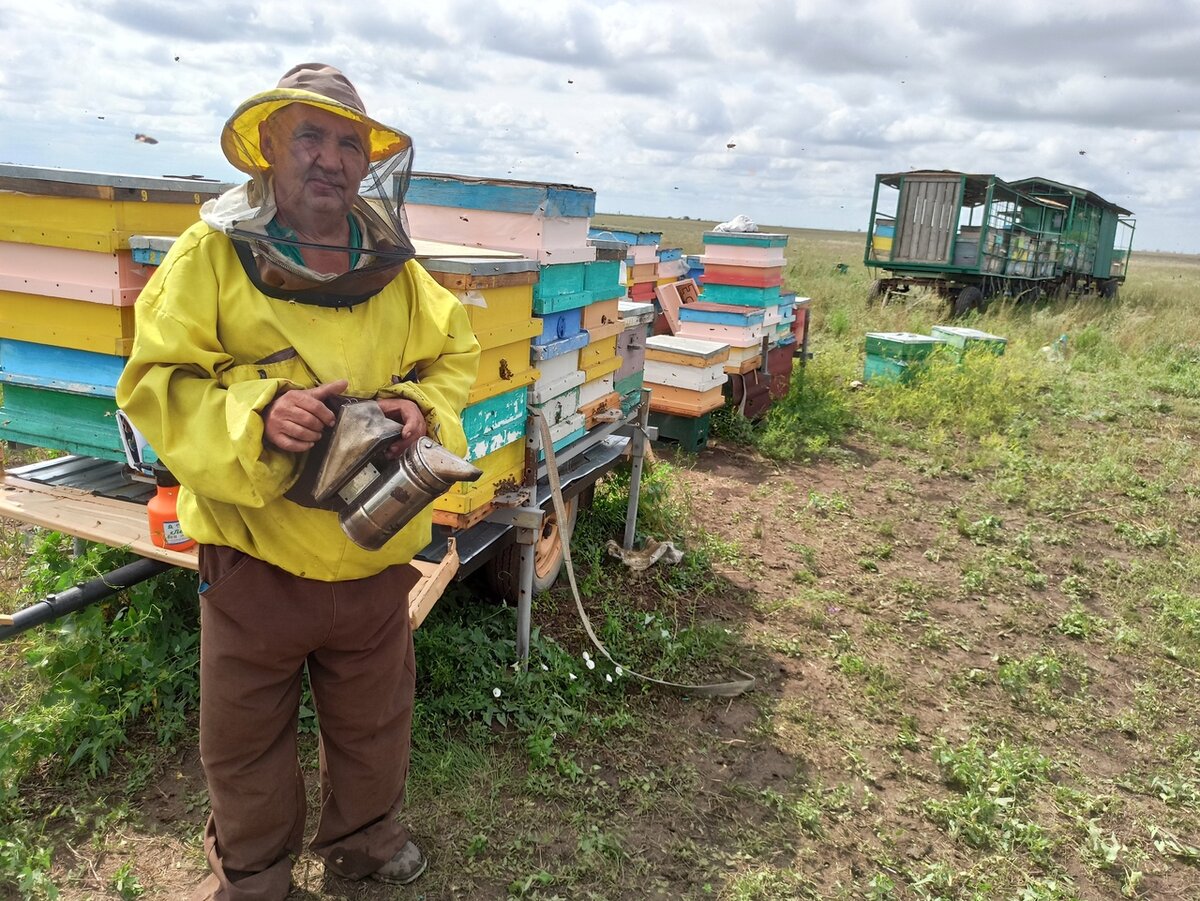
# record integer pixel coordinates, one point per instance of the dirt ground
(849, 589)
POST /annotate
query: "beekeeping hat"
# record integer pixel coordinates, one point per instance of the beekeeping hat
(315, 84)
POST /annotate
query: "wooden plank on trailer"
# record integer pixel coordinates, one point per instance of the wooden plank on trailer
(82, 514)
(124, 524)
(432, 584)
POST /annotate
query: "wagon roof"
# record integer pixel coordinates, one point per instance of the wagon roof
(1032, 185)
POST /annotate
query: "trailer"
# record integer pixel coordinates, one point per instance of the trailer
(970, 238)
(75, 250)
(519, 544)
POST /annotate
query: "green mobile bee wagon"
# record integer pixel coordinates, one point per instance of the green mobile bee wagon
(970, 238)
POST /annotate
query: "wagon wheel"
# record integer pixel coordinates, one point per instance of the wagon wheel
(876, 292)
(503, 571)
(1110, 288)
(969, 298)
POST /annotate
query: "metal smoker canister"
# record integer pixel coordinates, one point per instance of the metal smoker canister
(424, 471)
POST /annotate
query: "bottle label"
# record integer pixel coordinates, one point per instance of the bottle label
(173, 534)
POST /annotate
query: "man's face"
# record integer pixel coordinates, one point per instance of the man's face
(318, 159)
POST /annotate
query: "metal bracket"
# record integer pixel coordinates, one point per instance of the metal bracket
(523, 518)
(519, 497)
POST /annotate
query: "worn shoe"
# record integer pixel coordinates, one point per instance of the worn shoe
(408, 864)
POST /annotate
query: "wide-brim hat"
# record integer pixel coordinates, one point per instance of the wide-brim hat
(314, 84)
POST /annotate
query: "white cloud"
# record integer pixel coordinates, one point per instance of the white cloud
(639, 99)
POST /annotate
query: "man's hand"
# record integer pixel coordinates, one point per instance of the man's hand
(409, 415)
(294, 420)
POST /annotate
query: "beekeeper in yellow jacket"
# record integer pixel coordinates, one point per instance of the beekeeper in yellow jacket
(292, 289)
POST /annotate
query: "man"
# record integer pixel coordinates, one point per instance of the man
(294, 289)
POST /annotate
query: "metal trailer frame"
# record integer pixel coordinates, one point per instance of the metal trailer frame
(100, 495)
(106, 504)
(1015, 247)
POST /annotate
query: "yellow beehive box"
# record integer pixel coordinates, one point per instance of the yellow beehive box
(61, 322)
(95, 211)
(501, 468)
(501, 369)
(501, 315)
(601, 369)
(598, 352)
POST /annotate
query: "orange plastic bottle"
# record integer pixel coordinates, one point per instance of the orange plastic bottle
(164, 521)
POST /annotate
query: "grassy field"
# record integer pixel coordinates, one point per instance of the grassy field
(971, 604)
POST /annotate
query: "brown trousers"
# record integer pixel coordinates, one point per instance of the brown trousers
(259, 627)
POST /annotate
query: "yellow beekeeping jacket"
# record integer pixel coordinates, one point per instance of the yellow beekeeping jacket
(211, 352)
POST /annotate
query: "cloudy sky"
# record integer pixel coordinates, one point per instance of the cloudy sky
(783, 111)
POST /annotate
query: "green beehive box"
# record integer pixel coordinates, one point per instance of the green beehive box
(603, 277)
(559, 279)
(901, 345)
(77, 423)
(494, 422)
(964, 339)
(630, 389)
(887, 369)
(690, 434)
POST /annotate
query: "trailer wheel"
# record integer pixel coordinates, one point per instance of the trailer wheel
(503, 571)
(876, 292)
(1110, 288)
(969, 298)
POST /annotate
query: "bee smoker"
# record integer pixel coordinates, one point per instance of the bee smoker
(348, 471)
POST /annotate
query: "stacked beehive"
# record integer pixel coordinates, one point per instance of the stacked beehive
(898, 356)
(641, 259)
(638, 319)
(641, 265)
(574, 299)
(742, 303)
(68, 281)
(498, 297)
(576, 350)
(685, 377)
(671, 265)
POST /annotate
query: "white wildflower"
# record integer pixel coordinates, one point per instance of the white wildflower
(587, 656)
(572, 675)
(607, 677)
(620, 672)
(545, 669)
(495, 692)
(591, 664)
